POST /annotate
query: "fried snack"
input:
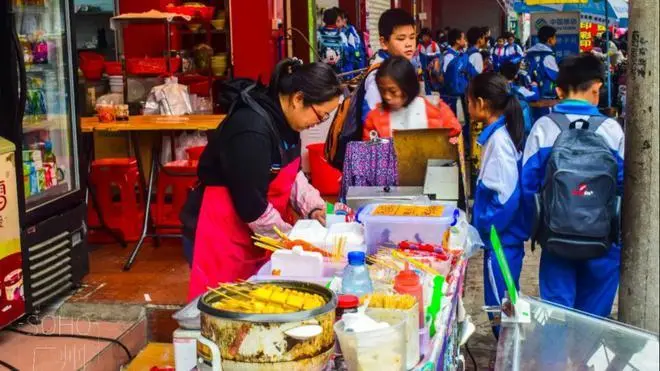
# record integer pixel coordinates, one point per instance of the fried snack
(389, 301)
(269, 299)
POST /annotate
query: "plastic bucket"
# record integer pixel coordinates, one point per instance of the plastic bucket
(325, 178)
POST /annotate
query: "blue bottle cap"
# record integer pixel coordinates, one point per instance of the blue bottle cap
(356, 258)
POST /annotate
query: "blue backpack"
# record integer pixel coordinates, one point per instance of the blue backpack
(539, 73)
(332, 48)
(456, 76)
(528, 116)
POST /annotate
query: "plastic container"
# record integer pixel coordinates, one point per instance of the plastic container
(346, 304)
(92, 69)
(297, 263)
(355, 279)
(194, 153)
(408, 282)
(325, 178)
(383, 349)
(388, 230)
(113, 68)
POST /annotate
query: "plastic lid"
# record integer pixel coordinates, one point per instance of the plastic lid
(348, 301)
(406, 278)
(356, 258)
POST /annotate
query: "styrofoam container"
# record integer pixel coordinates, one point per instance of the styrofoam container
(354, 233)
(297, 263)
(391, 230)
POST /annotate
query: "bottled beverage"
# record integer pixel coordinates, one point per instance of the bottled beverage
(356, 280)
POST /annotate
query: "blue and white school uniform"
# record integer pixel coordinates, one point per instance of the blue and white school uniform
(371, 93)
(588, 285)
(497, 202)
(513, 52)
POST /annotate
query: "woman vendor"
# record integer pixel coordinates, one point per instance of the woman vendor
(251, 172)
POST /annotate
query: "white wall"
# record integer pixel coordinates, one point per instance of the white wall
(463, 14)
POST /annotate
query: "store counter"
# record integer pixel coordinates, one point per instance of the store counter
(151, 123)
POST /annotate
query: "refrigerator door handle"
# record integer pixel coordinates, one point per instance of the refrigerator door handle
(22, 75)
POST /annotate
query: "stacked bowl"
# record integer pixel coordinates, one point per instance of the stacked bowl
(219, 64)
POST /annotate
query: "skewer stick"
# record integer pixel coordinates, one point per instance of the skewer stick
(267, 247)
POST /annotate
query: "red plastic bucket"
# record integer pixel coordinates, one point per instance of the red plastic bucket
(325, 178)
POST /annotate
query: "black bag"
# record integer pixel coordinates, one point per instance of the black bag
(578, 209)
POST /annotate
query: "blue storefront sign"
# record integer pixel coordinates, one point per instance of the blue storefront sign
(567, 25)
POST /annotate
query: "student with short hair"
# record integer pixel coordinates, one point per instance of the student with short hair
(428, 53)
(581, 253)
(398, 37)
(476, 41)
(542, 63)
(402, 108)
(358, 52)
(455, 70)
(513, 51)
(498, 53)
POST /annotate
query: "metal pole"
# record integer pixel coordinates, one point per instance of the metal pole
(638, 292)
(607, 51)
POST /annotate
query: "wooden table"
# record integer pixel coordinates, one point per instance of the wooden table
(544, 103)
(153, 123)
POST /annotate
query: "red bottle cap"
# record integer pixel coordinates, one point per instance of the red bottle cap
(348, 301)
(406, 278)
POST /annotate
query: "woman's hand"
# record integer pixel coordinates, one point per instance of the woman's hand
(453, 140)
(318, 215)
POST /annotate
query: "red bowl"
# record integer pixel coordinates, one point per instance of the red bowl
(151, 66)
(113, 68)
(92, 71)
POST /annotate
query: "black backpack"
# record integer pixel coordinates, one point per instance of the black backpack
(578, 210)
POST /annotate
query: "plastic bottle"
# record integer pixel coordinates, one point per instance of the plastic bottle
(408, 282)
(356, 280)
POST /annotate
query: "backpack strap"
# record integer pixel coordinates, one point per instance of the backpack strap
(595, 122)
(561, 120)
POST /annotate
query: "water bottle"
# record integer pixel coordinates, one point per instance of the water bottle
(356, 280)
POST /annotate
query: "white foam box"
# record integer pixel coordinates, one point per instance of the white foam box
(354, 233)
(297, 263)
(442, 180)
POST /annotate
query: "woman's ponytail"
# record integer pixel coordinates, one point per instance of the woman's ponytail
(515, 121)
(494, 89)
(316, 81)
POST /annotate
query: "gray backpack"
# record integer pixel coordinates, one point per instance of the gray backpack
(578, 207)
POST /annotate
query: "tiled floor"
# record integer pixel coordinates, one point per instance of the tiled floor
(159, 276)
(30, 353)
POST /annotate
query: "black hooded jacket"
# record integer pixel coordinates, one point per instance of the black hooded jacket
(243, 154)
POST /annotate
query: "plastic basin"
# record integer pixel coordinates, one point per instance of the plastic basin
(325, 178)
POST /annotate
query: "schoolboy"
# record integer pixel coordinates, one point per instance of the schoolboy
(358, 58)
(428, 53)
(453, 74)
(513, 50)
(588, 284)
(542, 63)
(477, 41)
(398, 37)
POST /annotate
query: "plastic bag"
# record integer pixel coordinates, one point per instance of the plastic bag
(111, 99)
(184, 141)
(170, 98)
(189, 316)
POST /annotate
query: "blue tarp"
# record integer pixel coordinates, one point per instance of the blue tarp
(618, 9)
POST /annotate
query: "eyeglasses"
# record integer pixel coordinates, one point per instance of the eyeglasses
(318, 115)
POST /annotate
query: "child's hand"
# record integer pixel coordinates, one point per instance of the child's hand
(453, 140)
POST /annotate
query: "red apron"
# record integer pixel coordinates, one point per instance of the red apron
(224, 251)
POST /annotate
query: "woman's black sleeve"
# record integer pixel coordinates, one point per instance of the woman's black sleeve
(247, 173)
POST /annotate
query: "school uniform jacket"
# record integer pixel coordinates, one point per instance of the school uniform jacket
(420, 114)
(542, 138)
(497, 199)
(549, 61)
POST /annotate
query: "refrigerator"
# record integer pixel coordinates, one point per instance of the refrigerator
(38, 80)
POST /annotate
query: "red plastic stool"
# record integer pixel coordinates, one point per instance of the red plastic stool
(194, 153)
(119, 196)
(174, 182)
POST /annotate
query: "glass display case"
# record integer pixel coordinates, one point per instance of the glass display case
(559, 338)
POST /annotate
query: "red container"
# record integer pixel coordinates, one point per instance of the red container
(204, 13)
(325, 178)
(113, 68)
(407, 282)
(194, 153)
(92, 69)
(151, 66)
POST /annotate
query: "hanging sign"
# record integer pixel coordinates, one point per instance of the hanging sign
(567, 25)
